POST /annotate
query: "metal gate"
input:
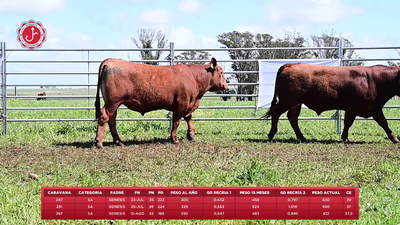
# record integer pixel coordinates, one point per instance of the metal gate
(4, 96)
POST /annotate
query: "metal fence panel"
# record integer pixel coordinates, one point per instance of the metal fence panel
(171, 61)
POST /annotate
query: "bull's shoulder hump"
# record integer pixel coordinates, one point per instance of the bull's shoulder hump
(304, 66)
(296, 67)
(291, 65)
(181, 68)
(110, 60)
(363, 70)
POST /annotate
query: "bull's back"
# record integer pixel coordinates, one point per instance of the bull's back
(144, 87)
(304, 79)
(324, 88)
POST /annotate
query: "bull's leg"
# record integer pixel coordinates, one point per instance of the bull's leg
(381, 120)
(176, 120)
(112, 124)
(100, 127)
(348, 121)
(276, 112)
(293, 116)
(191, 129)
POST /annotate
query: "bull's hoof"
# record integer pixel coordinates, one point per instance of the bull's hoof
(190, 137)
(175, 141)
(271, 136)
(301, 139)
(346, 141)
(99, 145)
(119, 143)
(395, 141)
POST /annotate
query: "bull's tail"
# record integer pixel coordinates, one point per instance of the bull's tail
(97, 102)
(274, 99)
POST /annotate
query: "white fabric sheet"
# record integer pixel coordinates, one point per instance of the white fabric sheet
(267, 73)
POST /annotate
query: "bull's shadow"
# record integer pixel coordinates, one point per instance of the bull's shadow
(308, 141)
(91, 144)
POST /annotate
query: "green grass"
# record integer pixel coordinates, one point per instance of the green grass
(228, 153)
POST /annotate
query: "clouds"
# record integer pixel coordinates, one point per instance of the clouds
(157, 17)
(163, 16)
(182, 37)
(254, 28)
(137, 2)
(190, 6)
(6, 28)
(192, 23)
(37, 7)
(310, 11)
(164, 19)
(305, 16)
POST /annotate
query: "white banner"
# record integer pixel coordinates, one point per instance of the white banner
(268, 70)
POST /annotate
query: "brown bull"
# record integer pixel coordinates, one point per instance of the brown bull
(145, 88)
(358, 90)
(41, 94)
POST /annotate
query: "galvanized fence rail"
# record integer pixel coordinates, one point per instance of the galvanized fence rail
(171, 61)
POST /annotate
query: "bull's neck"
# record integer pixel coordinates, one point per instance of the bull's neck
(203, 80)
(386, 85)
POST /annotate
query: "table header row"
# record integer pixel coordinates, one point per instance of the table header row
(179, 191)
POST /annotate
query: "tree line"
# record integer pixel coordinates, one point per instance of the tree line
(147, 38)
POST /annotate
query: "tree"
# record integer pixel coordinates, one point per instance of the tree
(237, 39)
(290, 40)
(146, 39)
(326, 40)
(391, 63)
(246, 39)
(193, 55)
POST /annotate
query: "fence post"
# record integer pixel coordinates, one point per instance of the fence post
(171, 62)
(88, 81)
(339, 112)
(3, 86)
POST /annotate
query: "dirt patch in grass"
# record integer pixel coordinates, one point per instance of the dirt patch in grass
(27, 159)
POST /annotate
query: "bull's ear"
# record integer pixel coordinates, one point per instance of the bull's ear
(213, 63)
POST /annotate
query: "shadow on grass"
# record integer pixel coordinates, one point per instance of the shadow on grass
(91, 144)
(308, 141)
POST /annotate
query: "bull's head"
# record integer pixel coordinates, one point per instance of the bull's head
(217, 81)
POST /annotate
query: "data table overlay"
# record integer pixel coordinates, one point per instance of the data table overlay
(200, 203)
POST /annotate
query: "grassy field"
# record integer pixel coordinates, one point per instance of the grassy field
(228, 153)
(56, 91)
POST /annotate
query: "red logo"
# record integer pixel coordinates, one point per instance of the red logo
(31, 34)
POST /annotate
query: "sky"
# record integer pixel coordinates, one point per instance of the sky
(101, 24)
